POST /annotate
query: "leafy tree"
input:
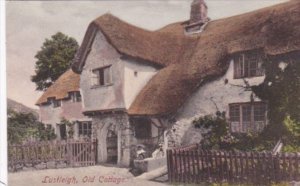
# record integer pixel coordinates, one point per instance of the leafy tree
(25, 126)
(281, 89)
(53, 59)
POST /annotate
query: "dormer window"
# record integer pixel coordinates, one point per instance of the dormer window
(54, 102)
(75, 96)
(102, 76)
(248, 65)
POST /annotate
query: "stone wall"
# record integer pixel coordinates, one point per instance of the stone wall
(150, 164)
(38, 166)
(118, 123)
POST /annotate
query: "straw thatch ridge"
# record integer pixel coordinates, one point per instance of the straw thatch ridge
(157, 48)
(191, 61)
(67, 82)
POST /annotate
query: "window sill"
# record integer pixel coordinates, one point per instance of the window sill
(248, 77)
(99, 86)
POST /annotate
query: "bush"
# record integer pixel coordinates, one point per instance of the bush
(218, 135)
(25, 126)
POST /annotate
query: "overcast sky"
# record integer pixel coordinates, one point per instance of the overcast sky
(30, 22)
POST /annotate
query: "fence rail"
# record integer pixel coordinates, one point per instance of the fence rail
(72, 153)
(195, 166)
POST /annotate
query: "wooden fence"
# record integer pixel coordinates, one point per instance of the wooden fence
(72, 153)
(196, 166)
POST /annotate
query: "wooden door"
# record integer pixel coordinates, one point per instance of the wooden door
(63, 131)
(112, 147)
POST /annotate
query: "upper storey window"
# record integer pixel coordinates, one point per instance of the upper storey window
(102, 76)
(55, 103)
(75, 96)
(248, 65)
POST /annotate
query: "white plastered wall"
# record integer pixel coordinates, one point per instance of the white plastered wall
(210, 98)
(136, 76)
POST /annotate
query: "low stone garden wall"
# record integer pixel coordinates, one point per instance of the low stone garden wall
(150, 164)
(38, 166)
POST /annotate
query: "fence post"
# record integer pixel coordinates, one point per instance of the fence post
(284, 167)
(203, 173)
(188, 165)
(169, 162)
(175, 167)
(180, 165)
(197, 176)
(297, 168)
(194, 165)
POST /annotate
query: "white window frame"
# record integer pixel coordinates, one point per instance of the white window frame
(85, 132)
(102, 76)
(56, 103)
(75, 96)
(242, 65)
(240, 125)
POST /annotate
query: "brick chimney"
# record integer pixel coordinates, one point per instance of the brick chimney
(198, 16)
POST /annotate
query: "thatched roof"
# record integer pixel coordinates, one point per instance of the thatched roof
(190, 61)
(67, 82)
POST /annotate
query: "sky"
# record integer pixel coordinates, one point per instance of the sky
(29, 23)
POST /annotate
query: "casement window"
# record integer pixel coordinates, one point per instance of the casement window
(85, 128)
(248, 65)
(75, 96)
(55, 103)
(247, 117)
(102, 76)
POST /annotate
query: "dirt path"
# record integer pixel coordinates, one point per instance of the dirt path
(84, 176)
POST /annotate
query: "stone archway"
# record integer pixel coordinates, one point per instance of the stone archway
(112, 147)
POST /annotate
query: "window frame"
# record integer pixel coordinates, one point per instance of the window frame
(85, 129)
(75, 96)
(100, 79)
(242, 65)
(241, 126)
(55, 103)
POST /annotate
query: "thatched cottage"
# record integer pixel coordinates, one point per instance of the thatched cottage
(61, 101)
(142, 87)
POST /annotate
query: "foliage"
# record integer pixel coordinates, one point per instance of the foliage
(281, 88)
(217, 135)
(25, 126)
(292, 136)
(293, 127)
(70, 126)
(53, 59)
